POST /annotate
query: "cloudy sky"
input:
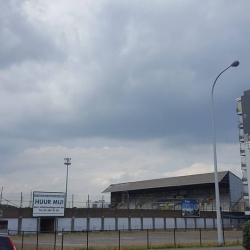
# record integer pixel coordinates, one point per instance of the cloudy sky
(121, 87)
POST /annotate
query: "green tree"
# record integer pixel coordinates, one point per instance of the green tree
(246, 235)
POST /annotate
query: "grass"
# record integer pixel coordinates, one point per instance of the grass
(139, 232)
(142, 247)
(48, 240)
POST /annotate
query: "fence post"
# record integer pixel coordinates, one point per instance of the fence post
(21, 201)
(224, 235)
(55, 241)
(37, 240)
(174, 239)
(147, 240)
(102, 202)
(22, 239)
(119, 232)
(200, 238)
(87, 239)
(62, 240)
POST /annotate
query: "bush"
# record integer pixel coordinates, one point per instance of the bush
(246, 235)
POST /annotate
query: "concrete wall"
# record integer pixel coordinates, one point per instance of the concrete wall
(64, 224)
(12, 224)
(135, 223)
(84, 219)
(109, 224)
(147, 223)
(190, 223)
(227, 223)
(180, 223)
(159, 223)
(122, 224)
(200, 223)
(29, 224)
(95, 224)
(80, 224)
(170, 223)
(209, 223)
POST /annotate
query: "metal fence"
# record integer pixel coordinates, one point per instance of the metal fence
(25, 200)
(103, 202)
(139, 239)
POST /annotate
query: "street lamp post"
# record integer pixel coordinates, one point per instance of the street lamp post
(67, 162)
(217, 192)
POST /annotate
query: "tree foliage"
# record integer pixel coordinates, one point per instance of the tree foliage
(246, 235)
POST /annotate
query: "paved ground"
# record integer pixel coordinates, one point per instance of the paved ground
(210, 248)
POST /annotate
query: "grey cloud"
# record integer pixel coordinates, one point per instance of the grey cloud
(196, 58)
(21, 41)
(148, 74)
(134, 73)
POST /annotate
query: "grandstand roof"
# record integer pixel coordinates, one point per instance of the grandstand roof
(166, 182)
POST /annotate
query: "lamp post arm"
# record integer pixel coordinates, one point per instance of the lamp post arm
(217, 79)
(213, 126)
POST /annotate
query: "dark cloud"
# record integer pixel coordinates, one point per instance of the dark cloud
(148, 73)
(80, 80)
(158, 67)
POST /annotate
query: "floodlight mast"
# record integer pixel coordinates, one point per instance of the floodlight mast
(67, 163)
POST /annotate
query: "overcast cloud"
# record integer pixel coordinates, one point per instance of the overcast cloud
(121, 87)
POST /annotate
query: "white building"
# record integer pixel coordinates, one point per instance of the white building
(243, 111)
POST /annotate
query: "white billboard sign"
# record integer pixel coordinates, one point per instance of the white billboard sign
(48, 204)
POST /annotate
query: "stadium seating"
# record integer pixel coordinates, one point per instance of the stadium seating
(207, 202)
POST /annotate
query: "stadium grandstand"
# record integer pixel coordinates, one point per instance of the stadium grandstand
(167, 193)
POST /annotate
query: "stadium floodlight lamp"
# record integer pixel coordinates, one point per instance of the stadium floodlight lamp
(66, 162)
(217, 192)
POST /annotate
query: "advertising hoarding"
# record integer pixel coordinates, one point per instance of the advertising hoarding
(48, 204)
(190, 208)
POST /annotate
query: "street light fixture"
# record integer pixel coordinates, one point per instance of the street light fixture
(217, 192)
(67, 162)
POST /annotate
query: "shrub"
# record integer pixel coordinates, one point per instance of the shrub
(246, 235)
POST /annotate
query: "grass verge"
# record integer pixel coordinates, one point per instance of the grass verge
(143, 247)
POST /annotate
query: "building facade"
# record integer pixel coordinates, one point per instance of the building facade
(150, 204)
(17, 220)
(243, 111)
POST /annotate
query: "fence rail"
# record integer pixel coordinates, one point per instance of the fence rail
(140, 239)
